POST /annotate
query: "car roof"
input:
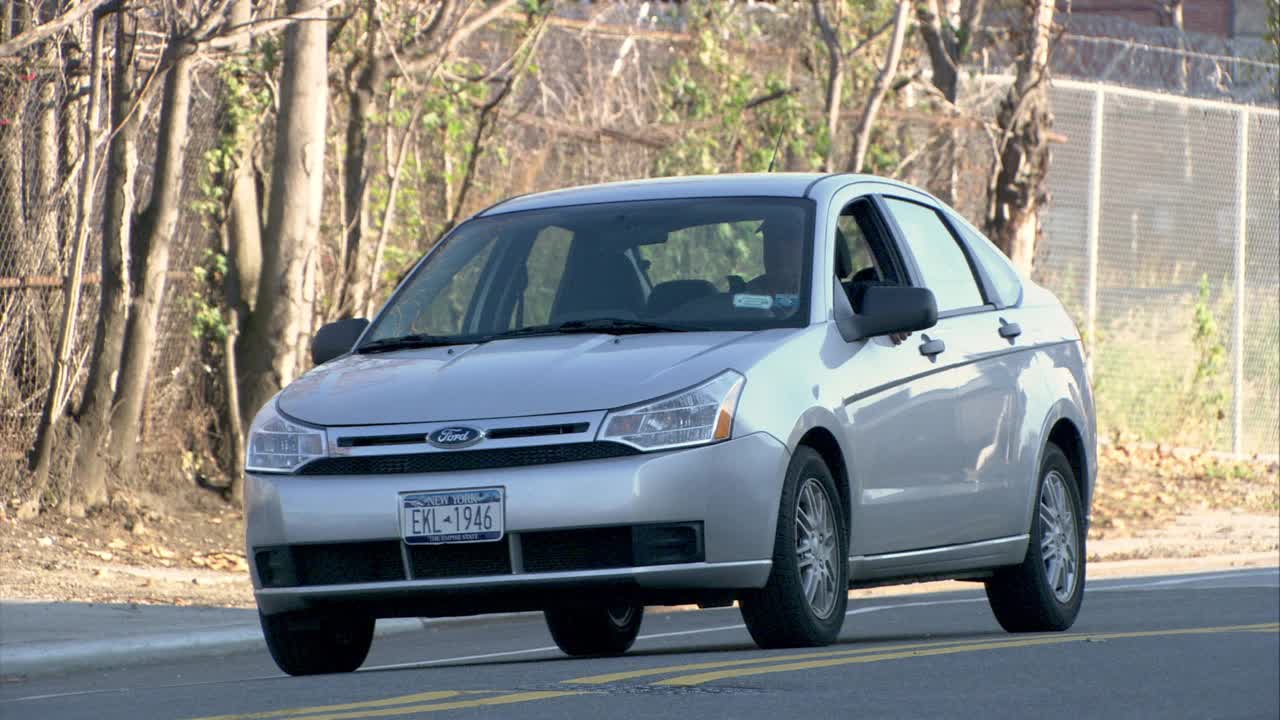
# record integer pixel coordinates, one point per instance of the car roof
(795, 185)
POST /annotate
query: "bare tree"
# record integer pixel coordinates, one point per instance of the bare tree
(862, 135)
(376, 64)
(949, 28)
(277, 331)
(56, 396)
(1016, 189)
(14, 89)
(951, 31)
(835, 80)
(90, 468)
(154, 229)
(242, 243)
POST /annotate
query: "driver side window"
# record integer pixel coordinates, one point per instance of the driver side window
(863, 255)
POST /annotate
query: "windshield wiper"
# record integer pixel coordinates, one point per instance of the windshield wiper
(405, 342)
(609, 326)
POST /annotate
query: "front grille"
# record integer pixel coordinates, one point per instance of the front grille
(586, 549)
(448, 461)
(432, 562)
(379, 440)
(536, 431)
(338, 563)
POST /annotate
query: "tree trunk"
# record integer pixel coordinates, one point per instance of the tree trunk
(862, 136)
(150, 254)
(835, 82)
(71, 154)
(41, 455)
(243, 233)
(280, 323)
(13, 105)
(1017, 189)
(949, 41)
(42, 219)
(941, 60)
(90, 468)
(358, 166)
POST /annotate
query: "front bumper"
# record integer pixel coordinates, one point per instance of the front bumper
(731, 488)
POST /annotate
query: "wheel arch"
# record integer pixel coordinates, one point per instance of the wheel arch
(1064, 429)
(824, 442)
(1068, 438)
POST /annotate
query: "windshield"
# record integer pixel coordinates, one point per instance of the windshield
(650, 266)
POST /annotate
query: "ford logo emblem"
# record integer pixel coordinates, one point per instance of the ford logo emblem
(455, 437)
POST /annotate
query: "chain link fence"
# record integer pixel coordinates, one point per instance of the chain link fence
(40, 162)
(1162, 236)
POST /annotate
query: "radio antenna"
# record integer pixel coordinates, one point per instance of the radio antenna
(776, 144)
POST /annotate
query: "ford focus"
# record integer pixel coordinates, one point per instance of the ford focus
(758, 389)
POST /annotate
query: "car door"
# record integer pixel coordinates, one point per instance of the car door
(896, 404)
(1007, 339)
(974, 489)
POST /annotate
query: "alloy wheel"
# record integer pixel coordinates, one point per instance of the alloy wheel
(817, 547)
(1059, 537)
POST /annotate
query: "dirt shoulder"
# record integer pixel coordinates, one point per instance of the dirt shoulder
(131, 553)
(1154, 512)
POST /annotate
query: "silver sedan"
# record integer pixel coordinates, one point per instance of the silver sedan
(762, 389)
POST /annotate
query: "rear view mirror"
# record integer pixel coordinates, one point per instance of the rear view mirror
(336, 338)
(884, 309)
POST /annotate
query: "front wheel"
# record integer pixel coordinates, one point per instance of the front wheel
(310, 643)
(803, 602)
(602, 630)
(1045, 592)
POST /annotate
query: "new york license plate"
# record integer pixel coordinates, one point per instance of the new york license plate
(452, 516)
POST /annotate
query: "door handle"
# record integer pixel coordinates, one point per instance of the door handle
(1009, 331)
(931, 348)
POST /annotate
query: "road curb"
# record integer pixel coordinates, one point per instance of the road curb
(29, 659)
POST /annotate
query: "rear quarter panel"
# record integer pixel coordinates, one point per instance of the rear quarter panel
(1059, 371)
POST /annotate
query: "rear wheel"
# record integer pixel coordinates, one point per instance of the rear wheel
(803, 603)
(311, 643)
(1045, 592)
(601, 630)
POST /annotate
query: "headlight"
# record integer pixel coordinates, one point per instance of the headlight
(699, 415)
(278, 445)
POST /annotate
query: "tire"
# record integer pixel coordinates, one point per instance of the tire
(802, 605)
(595, 631)
(310, 643)
(1035, 596)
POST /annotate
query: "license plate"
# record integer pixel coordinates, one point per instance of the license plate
(452, 516)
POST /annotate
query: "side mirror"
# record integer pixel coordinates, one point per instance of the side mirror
(885, 309)
(336, 338)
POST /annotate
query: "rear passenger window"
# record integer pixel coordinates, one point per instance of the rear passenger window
(1005, 282)
(943, 264)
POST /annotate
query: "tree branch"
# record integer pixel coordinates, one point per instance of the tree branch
(862, 138)
(229, 38)
(42, 32)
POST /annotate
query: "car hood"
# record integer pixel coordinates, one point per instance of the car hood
(520, 376)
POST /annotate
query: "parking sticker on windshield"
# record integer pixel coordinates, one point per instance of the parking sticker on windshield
(785, 300)
(744, 300)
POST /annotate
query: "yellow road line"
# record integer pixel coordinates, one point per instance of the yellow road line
(381, 702)
(372, 710)
(647, 672)
(700, 678)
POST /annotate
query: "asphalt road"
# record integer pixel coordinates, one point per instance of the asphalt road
(1203, 646)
